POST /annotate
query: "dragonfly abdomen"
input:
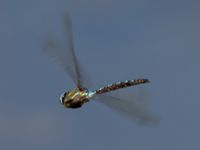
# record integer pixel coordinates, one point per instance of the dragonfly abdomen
(122, 84)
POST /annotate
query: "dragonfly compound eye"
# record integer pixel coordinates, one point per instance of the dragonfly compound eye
(62, 97)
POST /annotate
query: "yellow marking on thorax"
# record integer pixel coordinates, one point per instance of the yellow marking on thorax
(77, 94)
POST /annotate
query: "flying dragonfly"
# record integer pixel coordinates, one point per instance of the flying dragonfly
(64, 54)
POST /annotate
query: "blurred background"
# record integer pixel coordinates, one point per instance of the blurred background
(114, 40)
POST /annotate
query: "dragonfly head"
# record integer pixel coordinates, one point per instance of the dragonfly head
(73, 99)
(65, 100)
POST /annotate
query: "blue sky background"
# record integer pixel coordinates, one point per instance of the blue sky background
(114, 40)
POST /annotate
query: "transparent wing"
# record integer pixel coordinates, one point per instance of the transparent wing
(63, 53)
(135, 108)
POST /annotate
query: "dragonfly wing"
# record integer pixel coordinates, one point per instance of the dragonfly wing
(134, 109)
(63, 53)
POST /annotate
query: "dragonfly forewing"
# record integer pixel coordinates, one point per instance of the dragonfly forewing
(62, 51)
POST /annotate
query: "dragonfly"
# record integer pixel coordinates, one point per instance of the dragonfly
(64, 54)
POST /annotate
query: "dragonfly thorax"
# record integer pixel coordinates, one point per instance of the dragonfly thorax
(76, 98)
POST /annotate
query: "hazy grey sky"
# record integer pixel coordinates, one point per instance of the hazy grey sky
(114, 40)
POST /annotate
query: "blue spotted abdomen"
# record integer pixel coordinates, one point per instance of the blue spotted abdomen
(122, 84)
